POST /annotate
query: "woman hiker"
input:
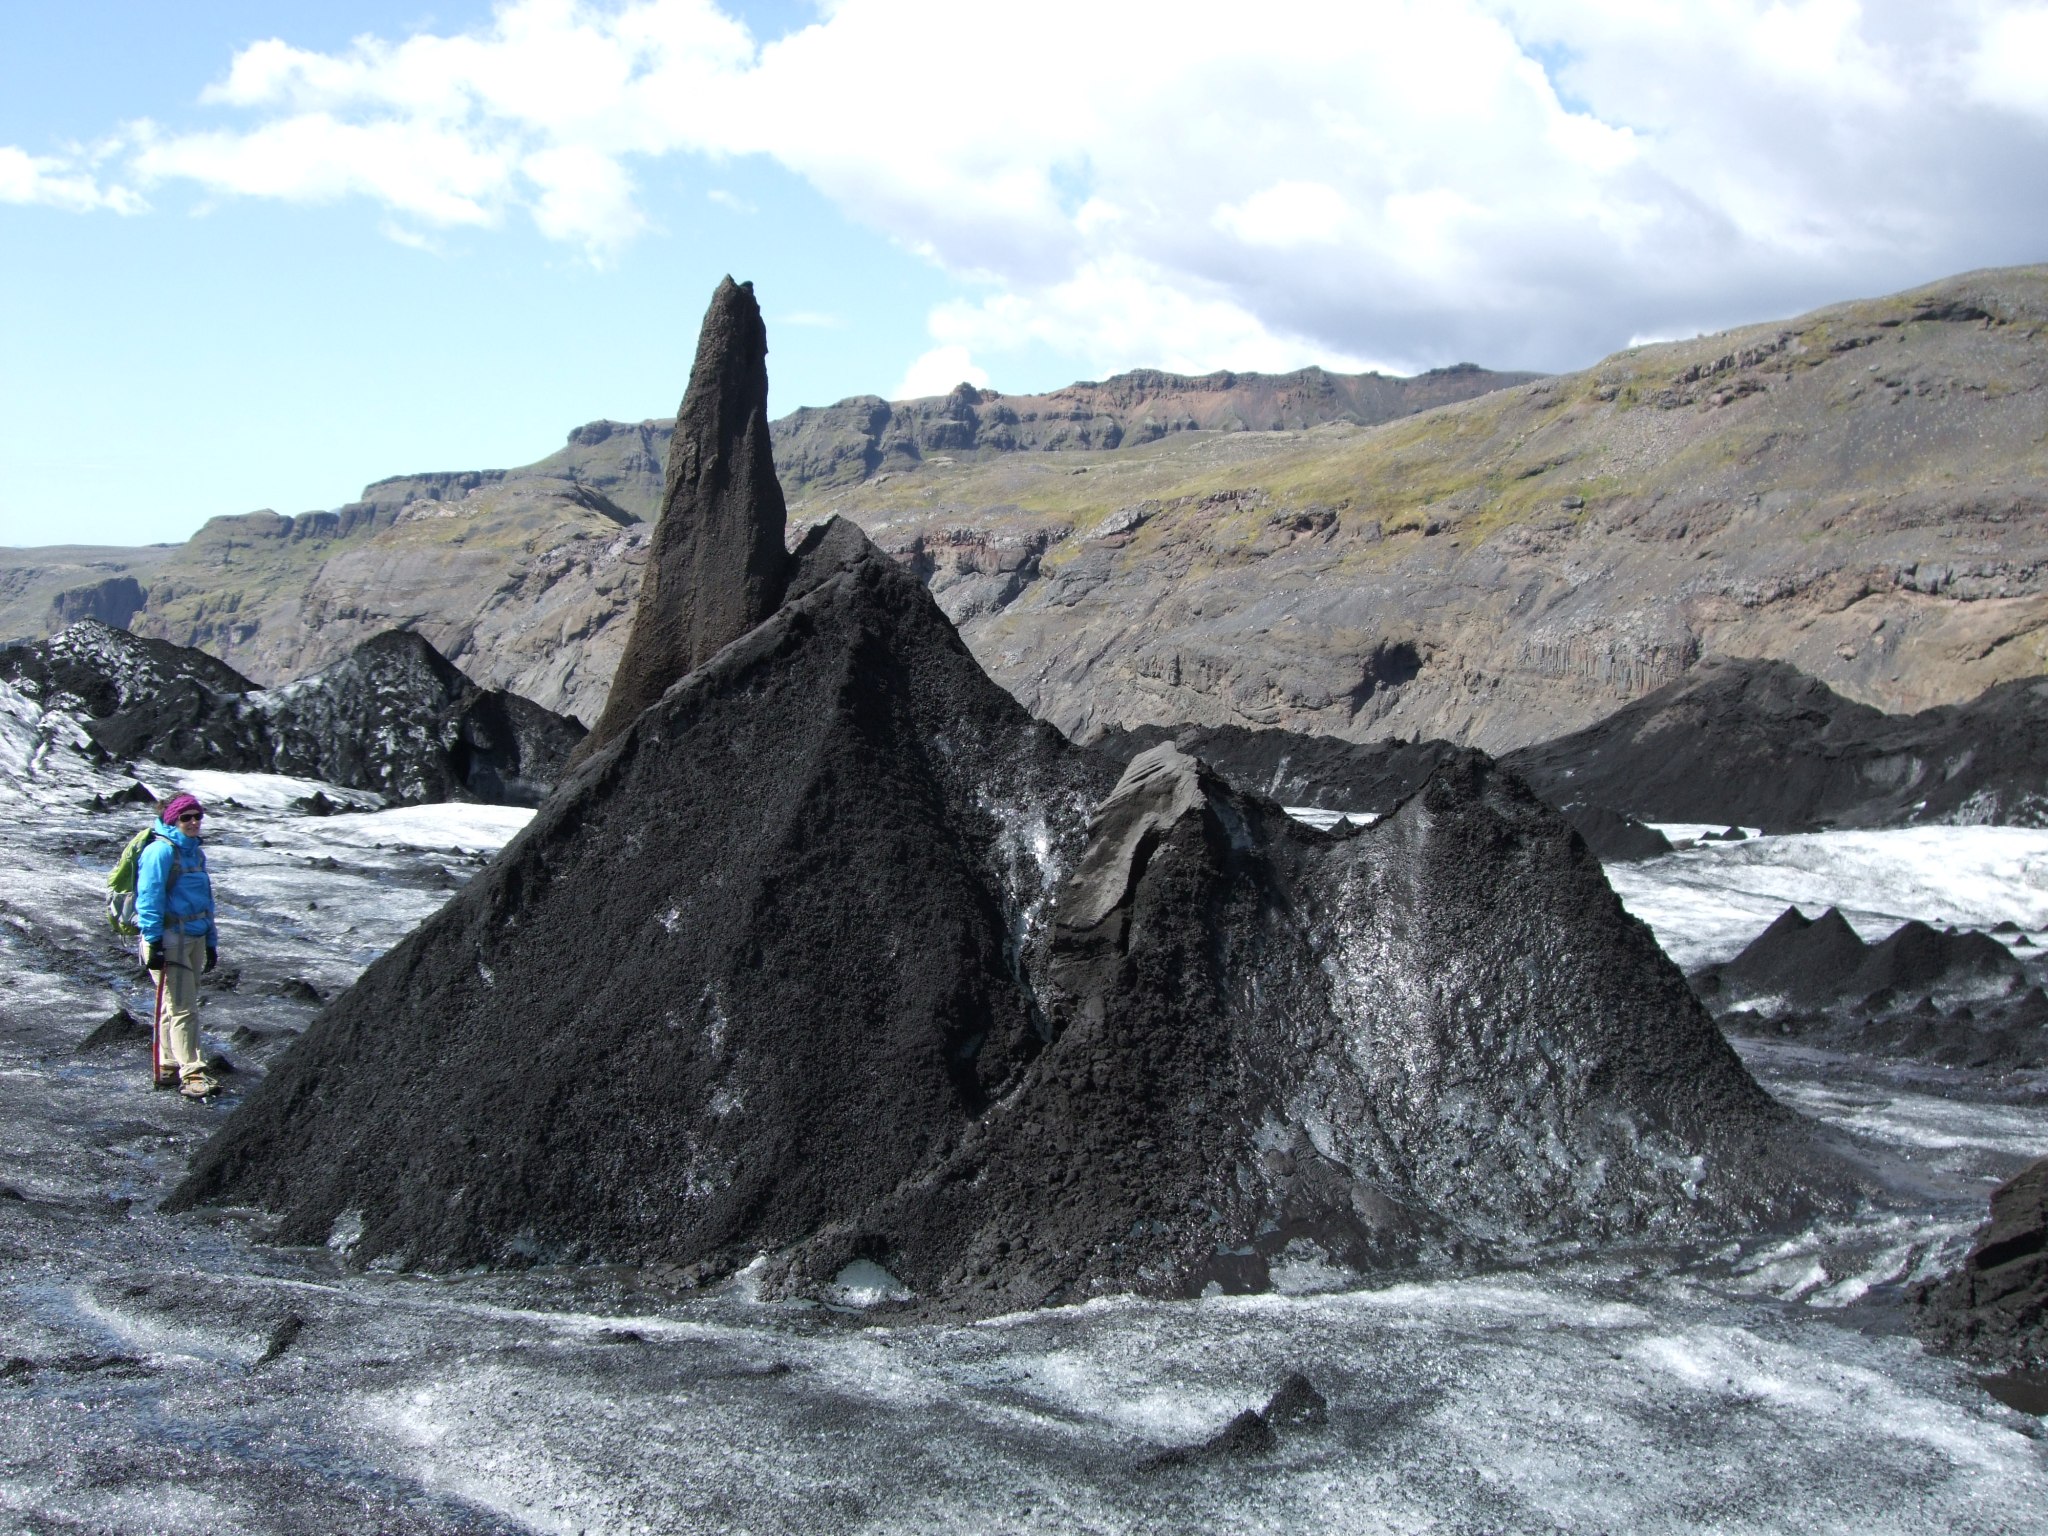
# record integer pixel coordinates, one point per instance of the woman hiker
(174, 910)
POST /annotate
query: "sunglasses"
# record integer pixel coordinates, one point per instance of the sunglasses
(192, 816)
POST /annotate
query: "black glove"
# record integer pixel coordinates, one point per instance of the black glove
(212, 958)
(155, 960)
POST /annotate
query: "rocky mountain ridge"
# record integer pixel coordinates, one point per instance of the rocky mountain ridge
(1861, 492)
(524, 576)
(867, 437)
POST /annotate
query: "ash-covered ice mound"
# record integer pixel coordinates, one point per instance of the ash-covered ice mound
(1760, 743)
(752, 967)
(1753, 743)
(825, 956)
(394, 715)
(1282, 1056)
(1956, 999)
(142, 698)
(781, 969)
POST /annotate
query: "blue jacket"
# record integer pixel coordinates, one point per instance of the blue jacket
(190, 909)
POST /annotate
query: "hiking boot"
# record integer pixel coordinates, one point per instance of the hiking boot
(201, 1087)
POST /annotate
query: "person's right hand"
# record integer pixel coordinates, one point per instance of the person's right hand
(155, 960)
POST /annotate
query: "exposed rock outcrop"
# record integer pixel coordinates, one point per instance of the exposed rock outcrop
(1957, 999)
(832, 446)
(718, 565)
(1995, 1308)
(393, 716)
(113, 601)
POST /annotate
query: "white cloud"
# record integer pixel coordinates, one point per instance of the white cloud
(938, 372)
(732, 200)
(59, 183)
(412, 239)
(1518, 182)
(2009, 68)
(582, 195)
(539, 111)
(1116, 313)
(430, 172)
(1288, 214)
(1413, 181)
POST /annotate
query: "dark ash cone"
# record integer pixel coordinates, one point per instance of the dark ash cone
(751, 967)
(826, 956)
(718, 564)
(831, 952)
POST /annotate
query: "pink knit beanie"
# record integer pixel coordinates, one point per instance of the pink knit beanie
(179, 805)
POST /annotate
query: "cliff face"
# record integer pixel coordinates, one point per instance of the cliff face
(1861, 492)
(868, 437)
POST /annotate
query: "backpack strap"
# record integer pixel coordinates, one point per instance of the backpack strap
(170, 879)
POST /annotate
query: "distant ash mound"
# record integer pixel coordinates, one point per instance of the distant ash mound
(1734, 741)
(833, 955)
(1956, 999)
(394, 715)
(141, 697)
(1761, 744)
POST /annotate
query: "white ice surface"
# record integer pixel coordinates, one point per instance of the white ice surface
(467, 828)
(1706, 903)
(45, 755)
(1749, 1392)
(250, 791)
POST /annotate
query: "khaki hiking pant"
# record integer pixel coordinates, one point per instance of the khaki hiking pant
(179, 1026)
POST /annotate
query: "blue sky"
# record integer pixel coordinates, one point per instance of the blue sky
(259, 254)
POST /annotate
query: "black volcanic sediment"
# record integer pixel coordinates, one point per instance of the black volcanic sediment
(717, 565)
(753, 965)
(833, 952)
(796, 964)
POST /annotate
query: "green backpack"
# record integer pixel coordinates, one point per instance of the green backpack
(121, 884)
